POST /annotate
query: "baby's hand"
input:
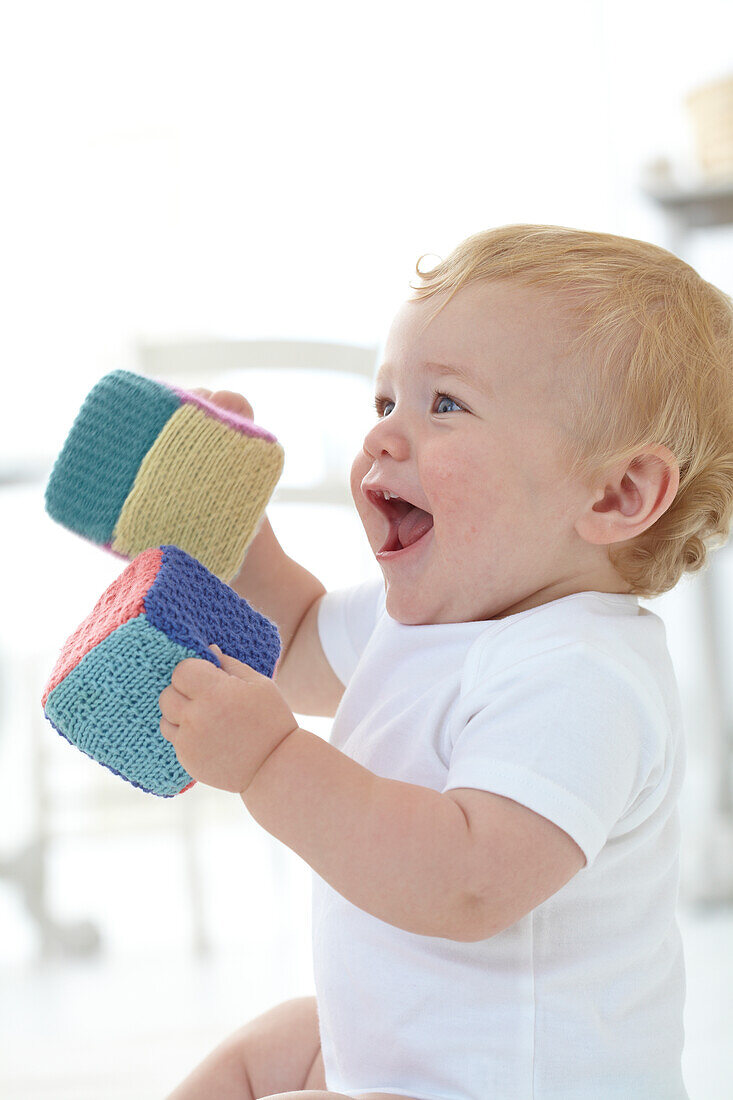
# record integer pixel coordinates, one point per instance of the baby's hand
(227, 399)
(223, 722)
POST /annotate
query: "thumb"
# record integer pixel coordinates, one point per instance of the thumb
(232, 665)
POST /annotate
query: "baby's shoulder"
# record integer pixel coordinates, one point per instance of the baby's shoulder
(584, 634)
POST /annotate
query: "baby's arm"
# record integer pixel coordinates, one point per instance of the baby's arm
(462, 865)
(278, 587)
(396, 850)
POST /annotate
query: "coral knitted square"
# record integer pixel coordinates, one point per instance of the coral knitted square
(146, 463)
(103, 692)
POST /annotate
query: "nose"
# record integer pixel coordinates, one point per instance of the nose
(387, 436)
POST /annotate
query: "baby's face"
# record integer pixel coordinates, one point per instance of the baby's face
(480, 458)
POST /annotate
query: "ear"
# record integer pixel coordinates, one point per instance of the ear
(630, 497)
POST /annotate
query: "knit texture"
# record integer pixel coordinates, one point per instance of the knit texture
(123, 600)
(146, 463)
(118, 423)
(102, 695)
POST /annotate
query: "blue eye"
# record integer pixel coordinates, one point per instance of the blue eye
(380, 402)
(447, 398)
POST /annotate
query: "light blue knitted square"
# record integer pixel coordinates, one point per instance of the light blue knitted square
(108, 706)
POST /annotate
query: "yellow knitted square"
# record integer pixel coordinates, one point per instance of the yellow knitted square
(203, 486)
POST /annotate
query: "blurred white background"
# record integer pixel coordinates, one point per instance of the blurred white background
(232, 170)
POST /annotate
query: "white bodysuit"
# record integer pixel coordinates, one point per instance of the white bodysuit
(571, 709)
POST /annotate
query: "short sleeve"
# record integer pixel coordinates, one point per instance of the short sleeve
(346, 620)
(570, 733)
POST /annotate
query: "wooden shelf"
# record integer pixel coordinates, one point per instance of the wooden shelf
(699, 207)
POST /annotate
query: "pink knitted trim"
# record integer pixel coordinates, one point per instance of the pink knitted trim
(231, 419)
(117, 554)
(123, 600)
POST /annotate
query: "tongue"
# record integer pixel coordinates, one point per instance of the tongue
(413, 526)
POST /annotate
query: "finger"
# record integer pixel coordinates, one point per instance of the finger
(172, 704)
(192, 676)
(220, 654)
(235, 667)
(202, 392)
(234, 402)
(168, 729)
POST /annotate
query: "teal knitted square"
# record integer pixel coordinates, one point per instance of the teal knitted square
(95, 471)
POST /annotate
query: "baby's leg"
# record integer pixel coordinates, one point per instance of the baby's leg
(274, 1053)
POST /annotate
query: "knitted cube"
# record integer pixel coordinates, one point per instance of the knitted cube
(147, 463)
(103, 692)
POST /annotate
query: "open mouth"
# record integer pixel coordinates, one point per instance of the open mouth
(407, 523)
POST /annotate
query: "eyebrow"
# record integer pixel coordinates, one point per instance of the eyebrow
(462, 373)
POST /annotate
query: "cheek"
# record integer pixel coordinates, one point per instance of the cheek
(458, 492)
(476, 495)
(448, 479)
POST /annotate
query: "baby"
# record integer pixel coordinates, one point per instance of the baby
(493, 826)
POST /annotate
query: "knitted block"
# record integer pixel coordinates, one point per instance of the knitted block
(147, 463)
(103, 692)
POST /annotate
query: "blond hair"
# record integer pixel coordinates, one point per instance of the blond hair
(650, 361)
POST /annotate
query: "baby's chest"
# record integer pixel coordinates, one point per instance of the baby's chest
(400, 731)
